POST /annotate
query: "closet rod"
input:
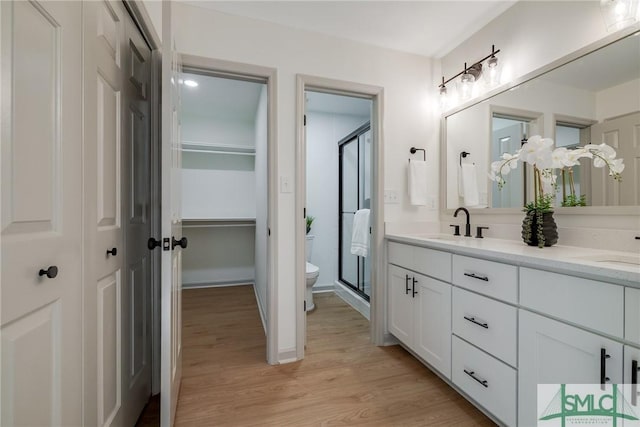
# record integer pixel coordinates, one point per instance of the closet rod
(193, 150)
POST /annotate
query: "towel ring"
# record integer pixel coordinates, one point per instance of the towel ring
(413, 150)
(464, 155)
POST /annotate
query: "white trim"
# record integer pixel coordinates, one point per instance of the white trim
(260, 310)
(358, 303)
(220, 284)
(378, 285)
(269, 75)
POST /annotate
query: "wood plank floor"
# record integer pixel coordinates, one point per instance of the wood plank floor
(343, 380)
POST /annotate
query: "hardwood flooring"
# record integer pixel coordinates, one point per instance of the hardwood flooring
(343, 380)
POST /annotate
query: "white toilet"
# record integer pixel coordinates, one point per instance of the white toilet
(311, 275)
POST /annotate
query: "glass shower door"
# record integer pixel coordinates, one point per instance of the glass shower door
(355, 194)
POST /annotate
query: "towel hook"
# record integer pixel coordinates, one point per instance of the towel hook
(464, 155)
(424, 152)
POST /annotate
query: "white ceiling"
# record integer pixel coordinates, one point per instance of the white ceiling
(430, 28)
(610, 66)
(222, 99)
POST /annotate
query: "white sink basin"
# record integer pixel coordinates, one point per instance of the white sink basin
(627, 260)
(446, 237)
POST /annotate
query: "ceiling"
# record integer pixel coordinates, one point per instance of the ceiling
(610, 66)
(429, 28)
(219, 98)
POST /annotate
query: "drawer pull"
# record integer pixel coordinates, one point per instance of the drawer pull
(634, 382)
(485, 383)
(473, 320)
(475, 276)
(406, 284)
(413, 288)
(603, 367)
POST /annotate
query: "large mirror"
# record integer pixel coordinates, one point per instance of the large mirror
(592, 99)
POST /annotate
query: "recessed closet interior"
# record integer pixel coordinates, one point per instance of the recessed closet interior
(224, 181)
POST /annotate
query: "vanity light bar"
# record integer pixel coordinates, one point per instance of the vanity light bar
(475, 69)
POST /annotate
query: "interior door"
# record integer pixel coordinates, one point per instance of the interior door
(623, 134)
(41, 233)
(136, 298)
(508, 140)
(105, 279)
(171, 224)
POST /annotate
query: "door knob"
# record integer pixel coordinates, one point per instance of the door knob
(182, 243)
(153, 243)
(50, 272)
(112, 252)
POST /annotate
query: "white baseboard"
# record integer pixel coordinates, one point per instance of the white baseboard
(287, 356)
(354, 300)
(260, 310)
(226, 283)
(328, 287)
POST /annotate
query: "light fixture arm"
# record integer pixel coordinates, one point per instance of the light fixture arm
(475, 66)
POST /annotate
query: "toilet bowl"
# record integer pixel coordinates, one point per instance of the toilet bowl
(311, 276)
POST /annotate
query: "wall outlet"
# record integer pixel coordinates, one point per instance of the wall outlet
(285, 184)
(391, 197)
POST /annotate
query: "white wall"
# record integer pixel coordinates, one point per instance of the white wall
(409, 117)
(618, 100)
(261, 202)
(210, 130)
(530, 34)
(324, 130)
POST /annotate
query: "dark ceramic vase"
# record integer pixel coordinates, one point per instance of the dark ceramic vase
(530, 229)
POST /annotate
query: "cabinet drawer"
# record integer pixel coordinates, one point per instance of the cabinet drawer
(429, 262)
(490, 278)
(588, 303)
(486, 380)
(632, 315)
(486, 323)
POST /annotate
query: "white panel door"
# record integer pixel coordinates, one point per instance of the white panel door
(136, 297)
(171, 224)
(551, 352)
(104, 207)
(41, 142)
(432, 322)
(623, 134)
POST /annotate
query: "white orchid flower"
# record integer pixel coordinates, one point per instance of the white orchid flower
(537, 151)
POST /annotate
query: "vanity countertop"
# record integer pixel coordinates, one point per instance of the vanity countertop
(622, 268)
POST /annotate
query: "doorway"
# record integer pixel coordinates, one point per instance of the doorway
(314, 86)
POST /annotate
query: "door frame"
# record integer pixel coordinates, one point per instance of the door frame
(219, 68)
(378, 286)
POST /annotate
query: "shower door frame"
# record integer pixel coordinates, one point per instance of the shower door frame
(355, 135)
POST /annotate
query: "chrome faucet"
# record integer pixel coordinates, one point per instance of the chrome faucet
(468, 224)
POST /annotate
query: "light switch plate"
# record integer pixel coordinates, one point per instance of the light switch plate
(285, 184)
(391, 197)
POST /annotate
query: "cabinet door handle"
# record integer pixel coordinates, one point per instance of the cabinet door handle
(413, 288)
(634, 382)
(473, 320)
(406, 284)
(112, 252)
(472, 374)
(603, 367)
(475, 276)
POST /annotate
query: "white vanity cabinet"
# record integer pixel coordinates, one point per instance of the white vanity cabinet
(419, 307)
(553, 352)
(512, 327)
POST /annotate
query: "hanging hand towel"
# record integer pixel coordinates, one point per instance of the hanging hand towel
(417, 182)
(360, 236)
(470, 184)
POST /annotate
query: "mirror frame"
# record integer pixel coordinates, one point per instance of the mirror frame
(578, 210)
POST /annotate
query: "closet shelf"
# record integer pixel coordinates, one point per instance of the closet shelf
(205, 147)
(218, 222)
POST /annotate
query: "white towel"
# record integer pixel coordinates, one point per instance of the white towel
(417, 182)
(469, 179)
(360, 236)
